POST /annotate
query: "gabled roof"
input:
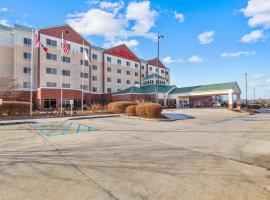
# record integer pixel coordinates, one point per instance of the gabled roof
(122, 51)
(205, 88)
(154, 62)
(69, 34)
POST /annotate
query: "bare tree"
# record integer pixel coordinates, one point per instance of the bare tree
(8, 86)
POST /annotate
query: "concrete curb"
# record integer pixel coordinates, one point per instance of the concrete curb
(29, 121)
(148, 119)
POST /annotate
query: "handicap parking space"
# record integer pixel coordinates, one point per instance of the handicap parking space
(59, 128)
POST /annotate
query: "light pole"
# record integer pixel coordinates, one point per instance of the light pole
(160, 37)
(254, 95)
(246, 87)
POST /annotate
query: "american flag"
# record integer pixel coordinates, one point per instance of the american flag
(65, 47)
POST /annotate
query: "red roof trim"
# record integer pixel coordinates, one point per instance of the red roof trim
(122, 51)
(153, 62)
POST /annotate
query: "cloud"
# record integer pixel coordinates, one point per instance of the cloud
(179, 16)
(4, 22)
(206, 37)
(253, 36)
(169, 60)
(237, 54)
(3, 10)
(257, 76)
(258, 12)
(116, 23)
(143, 18)
(130, 43)
(115, 7)
(195, 59)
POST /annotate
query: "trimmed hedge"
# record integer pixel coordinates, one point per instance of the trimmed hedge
(119, 107)
(149, 110)
(14, 107)
(131, 110)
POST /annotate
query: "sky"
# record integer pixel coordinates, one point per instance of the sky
(209, 41)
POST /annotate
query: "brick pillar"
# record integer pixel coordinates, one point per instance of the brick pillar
(238, 101)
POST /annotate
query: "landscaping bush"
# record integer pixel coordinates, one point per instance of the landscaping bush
(14, 107)
(149, 110)
(119, 107)
(96, 107)
(131, 110)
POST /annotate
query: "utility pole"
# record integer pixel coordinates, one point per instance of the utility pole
(254, 101)
(157, 81)
(246, 78)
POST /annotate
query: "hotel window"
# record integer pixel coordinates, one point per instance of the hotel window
(51, 70)
(142, 75)
(109, 69)
(84, 75)
(166, 73)
(84, 87)
(66, 59)
(94, 78)
(128, 63)
(118, 80)
(50, 84)
(27, 56)
(66, 85)
(66, 72)
(136, 82)
(27, 70)
(27, 41)
(128, 82)
(109, 90)
(156, 69)
(94, 56)
(109, 80)
(150, 68)
(94, 89)
(128, 72)
(50, 56)
(136, 65)
(162, 71)
(94, 67)
(51, 43)
(142, 67)
(85, 63)
(86, 50)
(119, 61)
(109, 59)
(136, 74)
(119, 71)
(49, 103)
(26, 85)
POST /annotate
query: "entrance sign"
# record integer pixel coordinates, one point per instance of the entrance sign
(71, 102)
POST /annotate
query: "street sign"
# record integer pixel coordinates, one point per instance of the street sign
(71, 101)
(1, 102)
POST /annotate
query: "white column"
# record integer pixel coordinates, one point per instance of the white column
(177, 103)
(230, 100)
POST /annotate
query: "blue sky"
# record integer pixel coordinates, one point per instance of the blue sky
(205, 41)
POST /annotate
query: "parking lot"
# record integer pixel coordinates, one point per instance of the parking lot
(218, 154)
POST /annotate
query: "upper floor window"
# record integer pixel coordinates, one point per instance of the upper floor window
(109, 80)
(128, 63)
(27, 56)
(94, 56)
(85, 49)
(66, 59)
(109, 69)
(66, 72)
(136, 82)
(94, 67)
(142, 67)
(51, 70)
(94, 78)
(136, 73)
(27, 41)
(162, 71)
(150, 68)
(84, 75)
(50, 84)
(128, 72)
(119, 71)
(118, 80)
(136, 65)
(84, 87)
(128, 82)
(86, 63)
(119, 61)
(109, 90)
(27, 70)
(66, 85)
(166, 73)
(50, 56)
(142, 75)
(26, 84)
(94, 89)
(109, 59)
(52, 43)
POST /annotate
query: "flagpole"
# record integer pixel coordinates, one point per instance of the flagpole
(31, 74)
(61, 75)
(82, 77)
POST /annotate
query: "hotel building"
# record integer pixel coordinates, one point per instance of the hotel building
(106, 75)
